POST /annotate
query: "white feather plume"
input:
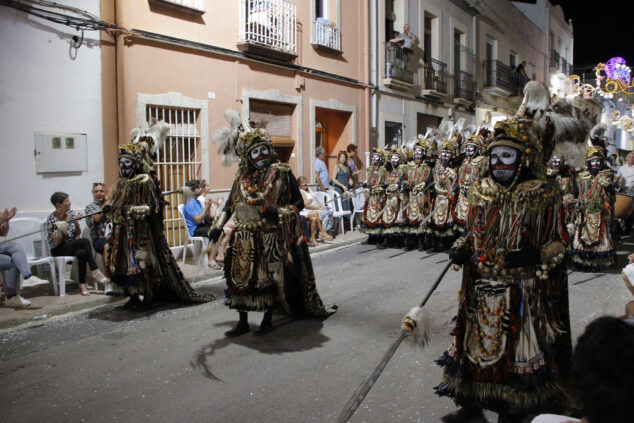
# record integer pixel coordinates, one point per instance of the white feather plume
(159, 132)
(227, 138)
(416, 322)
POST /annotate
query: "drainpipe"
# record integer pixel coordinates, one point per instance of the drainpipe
(374, 71)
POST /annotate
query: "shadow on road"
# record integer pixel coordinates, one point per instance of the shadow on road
(290, 335)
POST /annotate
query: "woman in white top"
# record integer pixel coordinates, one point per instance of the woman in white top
(315, 213)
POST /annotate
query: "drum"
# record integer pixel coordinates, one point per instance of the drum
(623, 206)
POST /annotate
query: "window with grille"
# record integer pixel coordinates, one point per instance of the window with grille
(277, 118)
(178, 161)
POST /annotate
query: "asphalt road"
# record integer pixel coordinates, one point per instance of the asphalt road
(174, 364)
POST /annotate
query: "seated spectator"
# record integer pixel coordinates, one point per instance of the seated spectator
(602, 373)
(199, 217)
(13, 259)
(316, 212)
(64, 240)
(97, 222)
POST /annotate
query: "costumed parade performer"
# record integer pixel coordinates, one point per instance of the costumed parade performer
(267, 264)
(592, 246)
(418, 181)
(440, 228)
(473, 167)
(564, 175)
(137, 256)
(392, 220)
(511, 349)
(375, 198)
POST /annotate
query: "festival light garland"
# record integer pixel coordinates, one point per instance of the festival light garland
(617, 79)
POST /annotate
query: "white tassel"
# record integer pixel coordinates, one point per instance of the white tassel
(416, 322)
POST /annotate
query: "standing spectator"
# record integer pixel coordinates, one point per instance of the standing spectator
(628, 277)
(64, 240)
(406, 40)
(625, 174)
(321, 170)
(341, 177)
(625, 180)
(354, 164)
(199, 217)
(13, 259)
(521, 70)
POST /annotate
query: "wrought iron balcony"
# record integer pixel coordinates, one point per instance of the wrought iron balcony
(554, 59)
(518, 81)
(268, 28)
(464, 87)
(327, 37)
(396, 74)
(566, 68)
(498, 78)
(435, 78)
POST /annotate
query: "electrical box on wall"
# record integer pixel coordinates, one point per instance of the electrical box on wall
(60, 152)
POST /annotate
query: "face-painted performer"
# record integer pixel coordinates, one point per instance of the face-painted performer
(440, 228)
(392, 220)
(267, 264)
(420, 177)
(137, 256)
(559, 171)
(592, 246)
(375, 196)
(511, 351)
(472, 168)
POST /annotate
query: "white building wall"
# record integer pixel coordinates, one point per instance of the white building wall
(47, 86)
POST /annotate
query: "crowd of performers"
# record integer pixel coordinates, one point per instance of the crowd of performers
(418, 195)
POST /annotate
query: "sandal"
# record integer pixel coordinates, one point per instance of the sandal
(325, 236)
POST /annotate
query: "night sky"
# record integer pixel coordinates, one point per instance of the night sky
(601, 31)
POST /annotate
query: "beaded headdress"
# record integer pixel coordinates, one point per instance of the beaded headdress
(594, 152)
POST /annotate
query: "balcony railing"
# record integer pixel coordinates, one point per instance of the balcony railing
(268, 26)
(464, 86)
(395, 63)
(566, 68)
(435, 76)
(327, 36)
(518, 81)
(498, 75)
(554, 59)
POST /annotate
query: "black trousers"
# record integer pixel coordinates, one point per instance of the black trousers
(99, 244)
(81, 249)
(202, 230)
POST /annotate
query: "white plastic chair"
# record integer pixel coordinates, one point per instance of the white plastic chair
(358, 204)
(204, 242)
(339, 212)
(23, 225)
(61, 262)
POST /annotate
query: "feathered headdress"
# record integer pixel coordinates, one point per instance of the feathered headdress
(537, 129)
(145, 144)
(241, 136)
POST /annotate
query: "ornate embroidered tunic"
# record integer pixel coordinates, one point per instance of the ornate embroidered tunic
(592, 245)
(469, 172)
(392, 219)
(419, 179)
(375, 200)
(441, 224)
(267, 262)
(512, 333)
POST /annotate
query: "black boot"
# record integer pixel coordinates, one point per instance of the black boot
(511, 417)
(133, 301)
(266, 326)
(241, 328)
(421, 243)
(465, 415)
(384, 244)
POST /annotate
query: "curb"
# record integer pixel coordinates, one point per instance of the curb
(40, 316)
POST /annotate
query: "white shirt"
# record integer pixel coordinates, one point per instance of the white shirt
(626, 172)
(553, 418)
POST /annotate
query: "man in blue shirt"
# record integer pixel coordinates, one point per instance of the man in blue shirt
(198, 217)
(321, 170)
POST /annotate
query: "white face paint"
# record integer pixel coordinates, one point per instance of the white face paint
(126, 167)
(470, 150)
(503, 162)
(555, 162)
(594, 165)
(260, 156)
(395, 160)
(418, 153)
(376, 159)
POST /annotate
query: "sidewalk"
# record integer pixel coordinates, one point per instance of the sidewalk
(45, 305)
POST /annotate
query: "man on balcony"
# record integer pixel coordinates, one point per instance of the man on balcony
(406, 41)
